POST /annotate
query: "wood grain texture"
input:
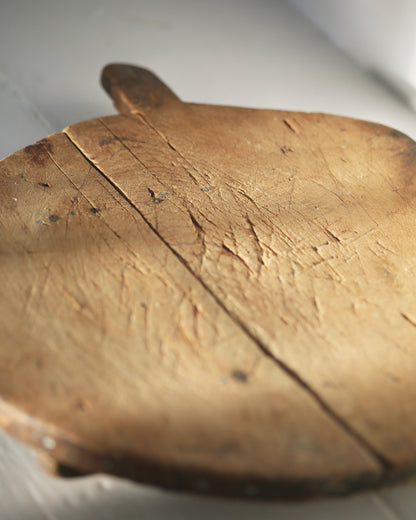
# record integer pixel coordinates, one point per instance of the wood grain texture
(221, 297)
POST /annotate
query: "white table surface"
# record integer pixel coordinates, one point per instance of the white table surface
(258, 53)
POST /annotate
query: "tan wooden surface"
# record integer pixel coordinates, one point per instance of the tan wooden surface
(212, 298)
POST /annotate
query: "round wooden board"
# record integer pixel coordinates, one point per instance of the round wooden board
(213, 299)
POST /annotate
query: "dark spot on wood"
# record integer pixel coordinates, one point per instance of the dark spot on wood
(156, 200)
(44, 184)
(228, 448)
(239, 375)
(82, 404)
(39, 152)
(409, 156)
(286, 149)
(131, 139)
(396, 134)
(106, 140)
(94, 210)
(392, 377)
(205, 188)
(53, 218)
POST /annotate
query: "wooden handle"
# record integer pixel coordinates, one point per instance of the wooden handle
(134, 89)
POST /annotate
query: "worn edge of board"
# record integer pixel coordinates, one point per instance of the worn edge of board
(61, 455)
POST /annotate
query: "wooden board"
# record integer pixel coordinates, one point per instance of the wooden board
(213, 299)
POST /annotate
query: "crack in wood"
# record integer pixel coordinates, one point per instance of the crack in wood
(330, 412)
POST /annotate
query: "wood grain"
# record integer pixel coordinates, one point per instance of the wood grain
(212, 298)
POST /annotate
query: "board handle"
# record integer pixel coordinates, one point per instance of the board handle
(134, 89)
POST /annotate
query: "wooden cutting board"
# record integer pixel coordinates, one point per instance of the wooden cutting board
(213, 299)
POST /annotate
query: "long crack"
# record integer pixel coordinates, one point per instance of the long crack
(337, 418)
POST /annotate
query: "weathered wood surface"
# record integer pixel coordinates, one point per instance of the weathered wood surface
(212, 298)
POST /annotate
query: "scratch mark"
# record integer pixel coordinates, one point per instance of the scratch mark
(331, 234)
(46, 278)
(259, 249)
(291, 192)
(291, 126)
(332, 192)
(149, 171)
(196, 224)
(271, 250)
(201, 237)
(172, 147)
(196, 313)
(359, 237)
(231, 253)
(29, 297)
(322, 261)
(408, 319)
(123, 286)
(146, 319)
(384, 247)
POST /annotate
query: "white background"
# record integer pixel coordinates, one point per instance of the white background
(380, 34)
(253, 53)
